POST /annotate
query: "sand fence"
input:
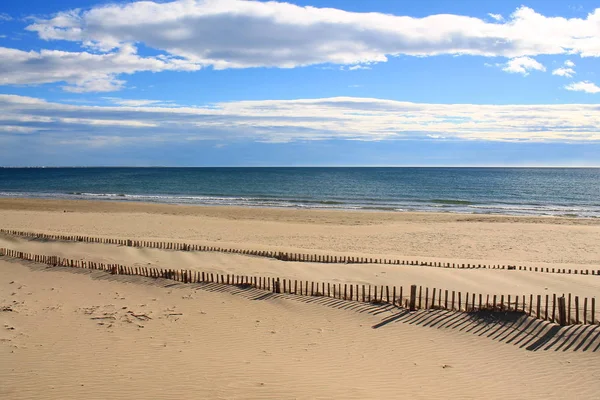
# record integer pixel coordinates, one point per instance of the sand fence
(284, 256)
(560, 309)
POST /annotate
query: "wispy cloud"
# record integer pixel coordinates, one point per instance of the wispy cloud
(138, 102)
(497, 17)
(5, 17)
(81, 71)
(584, 86)
(357, 67)
(347, 118)
(523, 65)
(567, 70)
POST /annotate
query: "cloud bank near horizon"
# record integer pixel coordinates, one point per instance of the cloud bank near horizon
(284, 121)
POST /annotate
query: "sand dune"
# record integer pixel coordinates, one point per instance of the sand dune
(482, 281)
(71, 334)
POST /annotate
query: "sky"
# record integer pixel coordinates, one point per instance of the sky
(300, 83)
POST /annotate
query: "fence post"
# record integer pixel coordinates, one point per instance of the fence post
(276, 288)
(562, 311)
(387, 293)
(413, 297)
(445, 299)
(530, 304)
(569, 309)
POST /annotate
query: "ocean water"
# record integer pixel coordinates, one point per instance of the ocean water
(514, 191)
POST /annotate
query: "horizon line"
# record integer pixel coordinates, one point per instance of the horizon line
(303, 166)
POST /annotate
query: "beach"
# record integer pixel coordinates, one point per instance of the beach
(70, 333)
(492, 239)
(267, 199)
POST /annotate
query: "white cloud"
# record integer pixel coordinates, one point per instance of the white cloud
(303, 119)
(241, 34)
(357, 67)
(5, 17)
(137, 102)
(522, 65)
(82, 71)
(566, 72)
(584, 86)
(245, 33)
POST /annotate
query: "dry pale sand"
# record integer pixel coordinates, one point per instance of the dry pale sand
(563, 242)
(68, 333)
(80, 334)
(484, 281)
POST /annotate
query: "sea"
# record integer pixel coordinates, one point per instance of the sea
(569, 192)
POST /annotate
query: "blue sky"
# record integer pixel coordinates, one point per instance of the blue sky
(234, 82)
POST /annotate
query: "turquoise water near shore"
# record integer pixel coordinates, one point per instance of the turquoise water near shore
(515, 191)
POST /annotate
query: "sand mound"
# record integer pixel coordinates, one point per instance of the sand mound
(72, 334)
(454, 238)
(500, 282)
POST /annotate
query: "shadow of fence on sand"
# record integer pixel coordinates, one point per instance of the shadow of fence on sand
(512, 328)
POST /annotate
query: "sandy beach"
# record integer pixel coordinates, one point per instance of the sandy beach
(296, 199)
(489, 239)
(69, 333)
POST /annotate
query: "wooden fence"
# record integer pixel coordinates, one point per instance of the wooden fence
(296, 257)
(568, 310)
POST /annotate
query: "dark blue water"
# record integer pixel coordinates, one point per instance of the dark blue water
(516, 191)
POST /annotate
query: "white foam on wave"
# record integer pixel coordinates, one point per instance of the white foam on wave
(345, 204)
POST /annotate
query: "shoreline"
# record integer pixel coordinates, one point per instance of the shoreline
(438, 205)
(110, 205)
